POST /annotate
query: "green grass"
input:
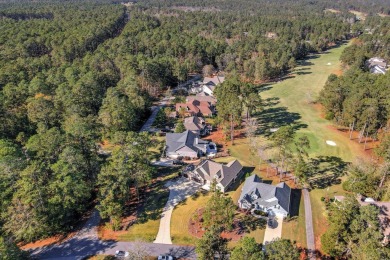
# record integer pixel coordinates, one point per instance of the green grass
(292, 95)
(291, 104)
(295, 229)
(181, 217)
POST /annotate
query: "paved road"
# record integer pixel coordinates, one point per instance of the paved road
(309, 225)
(86, 243)
(274, 232)
(178, 191)
(148, 124)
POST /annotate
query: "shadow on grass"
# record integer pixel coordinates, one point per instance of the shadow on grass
(295, 201)
(326, 171)
(153, 204)
(275, 117)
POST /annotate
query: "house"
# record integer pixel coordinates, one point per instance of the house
(195, 108)
(214, 80)
(203, 97)
(225, 175)
(196, 124)
(274, 199)
(209, 84)
(186, 144)
(376, 65)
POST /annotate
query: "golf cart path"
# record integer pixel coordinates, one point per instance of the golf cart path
(309, 225)
(178, 191)
(275, 232)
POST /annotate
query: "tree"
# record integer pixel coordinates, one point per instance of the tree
(282, 139)
(180, 127)
(208, 70)
(128, 166)
(247, 249)
(281, 249)
(10, 251)
(212, 244)
(161, 119)
(219, 211)
(354, 231)
(138, 251)
(229, 104)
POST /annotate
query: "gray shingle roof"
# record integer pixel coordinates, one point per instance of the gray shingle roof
(267, 195)
(176, 141)
(194, 123)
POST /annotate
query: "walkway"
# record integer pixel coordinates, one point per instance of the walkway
(178, 191)
(274, 232)
(309, 225)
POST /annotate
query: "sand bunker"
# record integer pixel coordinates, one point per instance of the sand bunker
(328, 142)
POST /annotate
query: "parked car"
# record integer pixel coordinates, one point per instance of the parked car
(121, 253)
(165, 257)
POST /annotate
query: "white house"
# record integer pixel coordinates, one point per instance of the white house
(274, 199)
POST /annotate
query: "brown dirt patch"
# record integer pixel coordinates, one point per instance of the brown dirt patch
(48, 241)
(338, 72)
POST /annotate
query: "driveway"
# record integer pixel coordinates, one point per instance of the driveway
(178, 191)
(148, 124)
(309, 224)
(274, 232)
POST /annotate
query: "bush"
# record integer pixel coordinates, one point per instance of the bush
(322, 198)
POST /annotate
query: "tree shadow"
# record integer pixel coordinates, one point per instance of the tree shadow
(326, 171)
(269, 102)
(303, 72)
(275, 117)
(153, 203)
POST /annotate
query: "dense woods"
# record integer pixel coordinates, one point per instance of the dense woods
(75, 73)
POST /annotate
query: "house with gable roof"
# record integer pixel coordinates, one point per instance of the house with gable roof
(274, 199)
(187, 144)
(224, 174)
(196, 124)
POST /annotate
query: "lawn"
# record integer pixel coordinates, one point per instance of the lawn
(181, 217)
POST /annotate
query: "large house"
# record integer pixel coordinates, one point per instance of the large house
(224, 175)
(376, 65)
(196, 124)
(274, 199)
(187, 144)
(195, 108)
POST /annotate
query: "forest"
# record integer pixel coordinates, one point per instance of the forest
(76, 73)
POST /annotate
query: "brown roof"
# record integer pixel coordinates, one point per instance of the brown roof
(224, 174)
(196, 106)
(210, 99)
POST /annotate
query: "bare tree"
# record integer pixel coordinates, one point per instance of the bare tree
(138, 251)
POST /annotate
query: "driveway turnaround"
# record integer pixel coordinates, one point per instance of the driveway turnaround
(274, 232)
(178, 191)
(309, 224)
